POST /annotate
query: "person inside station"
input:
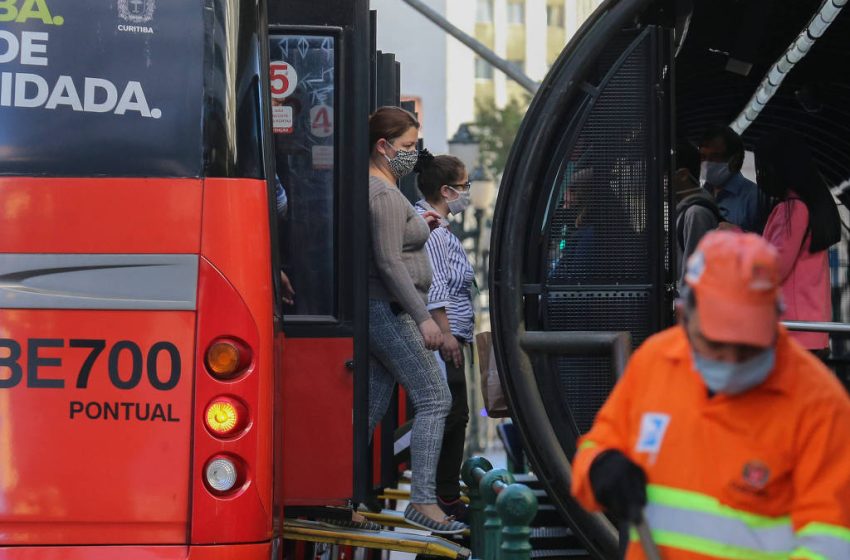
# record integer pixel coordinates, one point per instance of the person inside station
(696, 211)
(444, 183)
(722, 153)
(724, 435)
(802, 226)
(594, 222)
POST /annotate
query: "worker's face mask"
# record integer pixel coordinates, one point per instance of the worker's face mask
(733, 378)
(714, 173)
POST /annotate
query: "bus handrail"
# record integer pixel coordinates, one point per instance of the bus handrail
(617, 344)
(817, 326)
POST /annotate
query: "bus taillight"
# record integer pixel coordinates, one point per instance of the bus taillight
(225, 416)
(223, 473)
(226, 358)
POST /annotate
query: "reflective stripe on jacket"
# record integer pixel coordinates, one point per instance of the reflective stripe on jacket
(764, 474)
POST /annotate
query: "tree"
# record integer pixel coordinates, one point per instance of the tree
(496, 129)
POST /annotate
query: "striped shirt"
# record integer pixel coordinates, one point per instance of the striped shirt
(451, 285)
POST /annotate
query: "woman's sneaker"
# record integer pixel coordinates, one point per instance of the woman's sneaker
(419, 519)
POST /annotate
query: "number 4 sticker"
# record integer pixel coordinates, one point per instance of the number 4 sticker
(321, 121)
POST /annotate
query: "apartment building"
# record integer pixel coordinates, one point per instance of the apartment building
(447, 78)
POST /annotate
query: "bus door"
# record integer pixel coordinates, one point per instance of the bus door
(318, 79)
(581, 236)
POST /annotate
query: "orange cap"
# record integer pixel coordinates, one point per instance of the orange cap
(735, 278)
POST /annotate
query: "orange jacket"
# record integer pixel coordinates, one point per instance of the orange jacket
(764, 474)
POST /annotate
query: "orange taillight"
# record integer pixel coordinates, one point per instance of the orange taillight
(226, 358)
(225, 416)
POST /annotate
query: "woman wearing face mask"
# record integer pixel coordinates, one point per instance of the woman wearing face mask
(802, 226)
(401, 330)
(444, 182)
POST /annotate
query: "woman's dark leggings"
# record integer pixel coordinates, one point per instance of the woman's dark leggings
(454, 434)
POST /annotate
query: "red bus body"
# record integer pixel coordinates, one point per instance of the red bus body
(74, 475)
(138, 226)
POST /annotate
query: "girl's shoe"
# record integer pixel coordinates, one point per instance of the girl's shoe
(454, 508)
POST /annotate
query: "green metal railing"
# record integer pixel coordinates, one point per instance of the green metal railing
(500, 512)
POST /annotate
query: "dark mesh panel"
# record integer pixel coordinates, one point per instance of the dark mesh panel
(586, 381)
(598, 233)
(669, 274)
(599, 310)
(598, 228)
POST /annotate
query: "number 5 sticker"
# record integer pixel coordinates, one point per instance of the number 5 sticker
(283, 79)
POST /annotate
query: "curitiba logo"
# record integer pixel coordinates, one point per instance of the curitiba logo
(136, 11)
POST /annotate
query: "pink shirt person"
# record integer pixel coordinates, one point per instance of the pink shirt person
(804, 275)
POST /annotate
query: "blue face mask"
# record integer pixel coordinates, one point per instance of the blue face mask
(715, 173)
(731, 378)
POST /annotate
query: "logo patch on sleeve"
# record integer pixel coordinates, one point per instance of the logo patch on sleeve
(653, 426)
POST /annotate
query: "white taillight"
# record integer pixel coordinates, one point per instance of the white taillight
(221, 474)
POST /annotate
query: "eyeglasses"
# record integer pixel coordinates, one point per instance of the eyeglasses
(465, 186)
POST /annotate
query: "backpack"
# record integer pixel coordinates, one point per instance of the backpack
(688, 203)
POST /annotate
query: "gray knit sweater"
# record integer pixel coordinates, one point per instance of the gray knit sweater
(399, 269)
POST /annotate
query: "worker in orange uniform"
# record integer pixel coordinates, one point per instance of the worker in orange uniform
(727, 436)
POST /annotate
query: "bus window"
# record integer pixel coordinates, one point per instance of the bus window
(303, 111)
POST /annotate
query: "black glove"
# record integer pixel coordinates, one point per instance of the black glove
(619, 485)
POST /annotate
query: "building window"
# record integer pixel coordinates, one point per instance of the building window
(585, 8)
(555, 15)
(484, 13)
(516, 12)
(483, 69)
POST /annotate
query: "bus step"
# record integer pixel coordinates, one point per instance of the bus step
(529, 480)
(392, 518)
(547, 516)
(555, 554)
(311, 531)
(551, 533)
(394, 494)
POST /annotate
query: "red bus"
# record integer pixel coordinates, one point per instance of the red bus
(157, 399)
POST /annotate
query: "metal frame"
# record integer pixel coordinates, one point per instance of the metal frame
(617, 344)
(349, 21)
(579, 111)
(814, 326)
(541, 129)
(387, 91)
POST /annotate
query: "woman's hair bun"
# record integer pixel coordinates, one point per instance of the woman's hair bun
(425, 159)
